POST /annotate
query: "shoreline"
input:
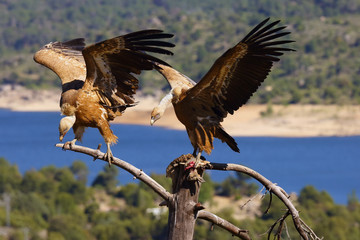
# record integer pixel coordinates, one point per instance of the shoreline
(285, 121)
(249, 120)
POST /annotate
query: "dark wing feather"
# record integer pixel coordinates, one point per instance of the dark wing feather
(155, 43)
(111, 63)
(148, 34)
(238, 73)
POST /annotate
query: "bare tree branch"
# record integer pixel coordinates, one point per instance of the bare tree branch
(168, 197)
(138, 173)
(302, 228)
(281, 222)
(269, 205)
(252, 198)
(309, 231)
(234, 230)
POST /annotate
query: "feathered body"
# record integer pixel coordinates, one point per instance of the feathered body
(229, 83)
(97, 81)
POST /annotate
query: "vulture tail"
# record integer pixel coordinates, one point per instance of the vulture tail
(225, 137)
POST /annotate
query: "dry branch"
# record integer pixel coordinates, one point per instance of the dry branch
(168, 197)
(281, 222)
(304, 230)
(234, 230)
(182, 211)
(138, 173)
(300, 226)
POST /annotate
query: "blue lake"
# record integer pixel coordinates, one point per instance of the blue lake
(28, 140)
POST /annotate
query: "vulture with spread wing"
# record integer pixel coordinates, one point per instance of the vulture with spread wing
(97, 80)
(229, 83)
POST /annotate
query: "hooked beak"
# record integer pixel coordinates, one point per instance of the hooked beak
(61, 137)
(152, 121)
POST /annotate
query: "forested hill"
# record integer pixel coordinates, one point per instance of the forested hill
(325, 68)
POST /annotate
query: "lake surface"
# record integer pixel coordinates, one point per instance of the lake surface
(28, 140)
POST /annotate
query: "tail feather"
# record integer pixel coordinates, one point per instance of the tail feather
(225, 137)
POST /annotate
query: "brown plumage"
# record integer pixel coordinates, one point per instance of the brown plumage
(97, 80)
(230, 82)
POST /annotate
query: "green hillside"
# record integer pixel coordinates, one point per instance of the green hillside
(55, 204)
(325, 68)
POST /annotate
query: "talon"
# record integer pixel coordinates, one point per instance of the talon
(108, 155)
(200, 161)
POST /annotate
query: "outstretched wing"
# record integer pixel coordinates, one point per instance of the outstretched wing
(111, 64)
(65, 59)
(238, 73)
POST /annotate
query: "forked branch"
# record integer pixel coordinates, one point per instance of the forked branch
(304, 231)
(168, 197)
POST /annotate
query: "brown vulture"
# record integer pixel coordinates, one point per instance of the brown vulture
(229, 83)
(97, 80)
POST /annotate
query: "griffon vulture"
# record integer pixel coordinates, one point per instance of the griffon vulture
(229, 83)
(97, 80)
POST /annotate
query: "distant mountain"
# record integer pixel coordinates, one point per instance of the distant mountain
(325, 68)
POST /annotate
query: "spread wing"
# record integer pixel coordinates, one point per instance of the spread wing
(111, 64)
(65, 59)
(238, 73)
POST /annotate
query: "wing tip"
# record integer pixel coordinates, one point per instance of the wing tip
(148, 33)
(262, 30)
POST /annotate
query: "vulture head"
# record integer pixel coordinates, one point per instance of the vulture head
(65, 124)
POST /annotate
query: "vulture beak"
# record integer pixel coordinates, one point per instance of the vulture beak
(152, 121)
(61, 137)
(154, 118)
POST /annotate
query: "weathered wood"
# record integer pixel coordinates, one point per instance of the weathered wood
(231, 228)
(184, 207)
(271, 187)
(183, 204)
(137, 173)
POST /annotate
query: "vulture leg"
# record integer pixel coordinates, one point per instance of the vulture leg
(198, 160)
(109, 138)
(190, 163)
(108, 155)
